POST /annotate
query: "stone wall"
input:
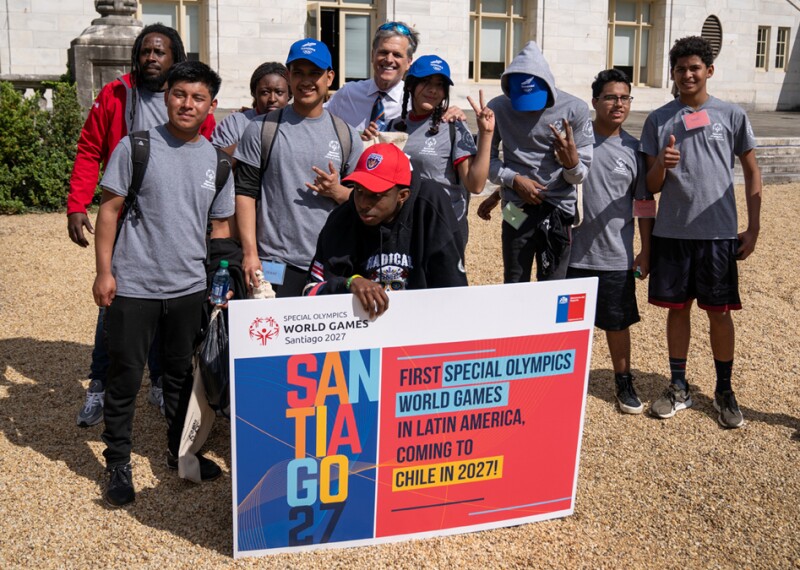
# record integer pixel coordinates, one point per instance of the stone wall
(241, 34)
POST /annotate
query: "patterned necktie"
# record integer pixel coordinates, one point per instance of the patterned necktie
(377, 114)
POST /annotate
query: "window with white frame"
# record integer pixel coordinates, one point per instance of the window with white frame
(347, 28)
(629, 36)
(782, 48)
(496, 35)
(762, 46)
(186, 16)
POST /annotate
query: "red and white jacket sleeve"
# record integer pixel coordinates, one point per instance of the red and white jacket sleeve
(106, 122)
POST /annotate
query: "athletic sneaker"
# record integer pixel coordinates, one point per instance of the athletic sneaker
(92, 411)
(156, 394)
(673, 401)
(729, 414)
(208, 469)
(119, 491)
(627, 399)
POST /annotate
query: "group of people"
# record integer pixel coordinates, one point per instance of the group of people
(303, 192)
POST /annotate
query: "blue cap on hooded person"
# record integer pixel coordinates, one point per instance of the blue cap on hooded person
(527, 92)
(311, 50)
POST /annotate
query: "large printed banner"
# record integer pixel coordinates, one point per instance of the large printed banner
(457, 410)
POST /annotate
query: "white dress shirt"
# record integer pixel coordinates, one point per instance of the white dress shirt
(354, 100)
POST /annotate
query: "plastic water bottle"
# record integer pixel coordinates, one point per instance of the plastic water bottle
(220, 284)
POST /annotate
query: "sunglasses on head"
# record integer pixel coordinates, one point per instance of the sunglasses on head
(396, 26)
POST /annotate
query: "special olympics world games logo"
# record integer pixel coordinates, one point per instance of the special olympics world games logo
(263, 329)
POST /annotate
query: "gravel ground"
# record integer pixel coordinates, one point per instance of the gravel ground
(675, 493)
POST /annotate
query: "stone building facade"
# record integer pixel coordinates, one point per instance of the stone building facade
(758, 65)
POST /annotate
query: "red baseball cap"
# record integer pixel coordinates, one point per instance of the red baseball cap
(381, 167)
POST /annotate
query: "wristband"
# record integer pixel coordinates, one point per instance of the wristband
(350, 281)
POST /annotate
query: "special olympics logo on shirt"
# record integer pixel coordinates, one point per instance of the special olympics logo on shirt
(208, 183)
(333, 150)
(263, 329)
(620, 166)
(588, 130)
(373, 160)
(717, 132)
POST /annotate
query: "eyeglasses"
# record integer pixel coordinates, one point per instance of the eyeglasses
(624, 99)
(396, 26)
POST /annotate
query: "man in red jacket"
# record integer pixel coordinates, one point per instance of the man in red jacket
(133, 102)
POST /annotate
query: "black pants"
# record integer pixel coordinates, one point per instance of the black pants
(131, 325)
(546, 235)
(294, 281)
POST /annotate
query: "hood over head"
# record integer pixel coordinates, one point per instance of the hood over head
(530, 61)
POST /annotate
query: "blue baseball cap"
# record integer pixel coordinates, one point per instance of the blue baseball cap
(428, 65)
(312, 50)
(527, 92)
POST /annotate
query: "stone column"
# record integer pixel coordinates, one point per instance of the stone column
(103, 51)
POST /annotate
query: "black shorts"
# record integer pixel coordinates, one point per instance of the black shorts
(616, 297)
(682, 270)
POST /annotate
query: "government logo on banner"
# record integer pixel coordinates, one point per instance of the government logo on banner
(571, 308)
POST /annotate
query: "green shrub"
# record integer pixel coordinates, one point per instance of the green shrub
(37, 148)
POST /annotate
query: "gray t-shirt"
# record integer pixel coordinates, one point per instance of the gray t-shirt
(231, 129)
(151, 110)
(433, 157)
(697, 198)
(604, 240)
(289, 216)
(528, 149)
(162, 254)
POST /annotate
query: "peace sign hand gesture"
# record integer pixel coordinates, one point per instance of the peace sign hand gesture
(483, 114)
(564, 146)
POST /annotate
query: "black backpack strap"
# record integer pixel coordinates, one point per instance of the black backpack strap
(343, 133)
(223, 170)
(269, 128)
(140, 156)
(453, 145)
(224, 167)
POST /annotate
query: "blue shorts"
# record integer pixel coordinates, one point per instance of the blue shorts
(682, 270)
(616, 297)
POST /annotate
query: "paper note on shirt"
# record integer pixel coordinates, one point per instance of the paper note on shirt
(274, 271)
(696, 120)
(514, 215)
(644, 208)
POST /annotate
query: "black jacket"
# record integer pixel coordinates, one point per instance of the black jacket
(421, 248)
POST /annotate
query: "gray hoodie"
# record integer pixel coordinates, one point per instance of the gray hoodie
(528, 141)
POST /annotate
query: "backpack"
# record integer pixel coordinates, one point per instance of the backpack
(140, 156)
(272, 122)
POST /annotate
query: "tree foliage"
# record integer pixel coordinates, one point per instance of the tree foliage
(37, 148)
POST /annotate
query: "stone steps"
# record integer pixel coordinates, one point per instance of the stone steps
(778, 159)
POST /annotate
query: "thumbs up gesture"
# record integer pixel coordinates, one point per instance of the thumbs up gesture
(669, 155)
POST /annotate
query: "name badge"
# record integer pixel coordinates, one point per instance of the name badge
(644, 208)
(514, 215)
(696, 120)
(274, 271)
